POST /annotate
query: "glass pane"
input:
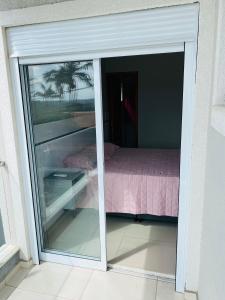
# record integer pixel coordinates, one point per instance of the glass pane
(2, 237)
(2, 198)
(62, 111)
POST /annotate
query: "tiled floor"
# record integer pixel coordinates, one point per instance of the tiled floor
(149, 246)
(57, 282)
(77, 234)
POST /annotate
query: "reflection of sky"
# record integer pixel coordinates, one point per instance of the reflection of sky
(36, 80)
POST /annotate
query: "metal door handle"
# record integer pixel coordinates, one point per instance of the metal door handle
(2, 163)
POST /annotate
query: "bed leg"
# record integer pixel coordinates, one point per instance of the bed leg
(138, 219)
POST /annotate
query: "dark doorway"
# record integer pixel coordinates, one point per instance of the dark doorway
(122, 97)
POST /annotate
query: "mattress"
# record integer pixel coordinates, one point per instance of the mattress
(143, 181)
(137, 181)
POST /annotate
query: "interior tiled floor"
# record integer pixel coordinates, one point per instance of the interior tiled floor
(77, 234)
(57, 282)
(149, 246)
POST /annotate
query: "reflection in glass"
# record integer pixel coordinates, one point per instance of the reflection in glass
(2, 237)
(62, 111)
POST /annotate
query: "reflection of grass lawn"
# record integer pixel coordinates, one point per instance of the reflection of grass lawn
(49, 111)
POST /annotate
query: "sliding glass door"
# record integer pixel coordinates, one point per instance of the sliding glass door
(2, 198)
(62, 108)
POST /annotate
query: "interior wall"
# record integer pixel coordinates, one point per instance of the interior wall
(160, 92)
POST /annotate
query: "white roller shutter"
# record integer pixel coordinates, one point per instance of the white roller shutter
(119, 31)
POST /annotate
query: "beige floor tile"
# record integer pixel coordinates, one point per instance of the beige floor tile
(166, 291)
(146, 245)
(134, 243)
(113, 244)
(5, 292)
(75, 284)
(115, 233)
(92, 248)
(68, 245)
(154, 256)
(72, 233)
(190, 296)
(139, 230)
(115, 224)
(163, 232)
(117, 286)
(166, 232)
(18, 276)
(47, 278)
(28, 295)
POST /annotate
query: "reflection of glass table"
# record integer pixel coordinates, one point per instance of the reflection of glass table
(61, 189)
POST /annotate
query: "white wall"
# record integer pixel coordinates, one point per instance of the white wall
(219, 78)
(212, 268)
(204, 76)
(12, 4)
(205, 66)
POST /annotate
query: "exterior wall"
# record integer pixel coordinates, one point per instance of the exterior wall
(13, 4)
(11, 175)
(212, 266)
(204, 79)
(219, 78)
(205, 67)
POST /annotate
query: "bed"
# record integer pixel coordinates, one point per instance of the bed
(137, 181)
(142, 181)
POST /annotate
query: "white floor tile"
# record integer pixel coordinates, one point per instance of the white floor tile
(75, 284)
(47, 278)
(5, 292)
(27, 295)
(166, 291)
(111, 286)
(190, 296)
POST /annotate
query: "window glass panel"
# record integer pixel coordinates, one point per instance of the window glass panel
(61, 95)
(62, 119)
(2, 237)
(2, 198)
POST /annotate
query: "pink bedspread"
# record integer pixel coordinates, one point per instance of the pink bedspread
(143, 181)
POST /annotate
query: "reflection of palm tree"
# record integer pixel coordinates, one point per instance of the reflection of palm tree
(46, 92)
(68, 74)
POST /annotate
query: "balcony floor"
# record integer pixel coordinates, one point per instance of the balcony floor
(50, 281)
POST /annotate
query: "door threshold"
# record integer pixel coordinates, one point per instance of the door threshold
(141, 273)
